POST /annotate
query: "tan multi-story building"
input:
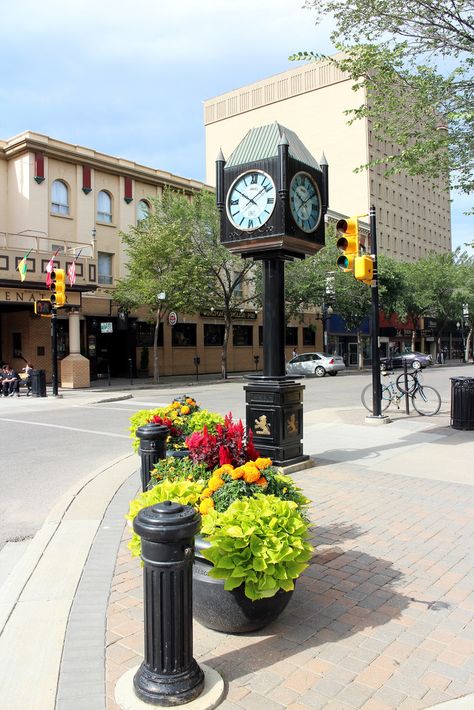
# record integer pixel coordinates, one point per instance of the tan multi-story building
(413, 216)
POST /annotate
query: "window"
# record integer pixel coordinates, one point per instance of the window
(143, 210)
(291, 336)
(59, 197)
(183, 335)
(146, 334)
(242, 335)
(309, 336)
(213, 334)
(104, 207)
(105, 268)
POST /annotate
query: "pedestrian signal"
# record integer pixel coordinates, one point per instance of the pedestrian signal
(58, 288)
(348, 242)
(43, 308)
(364, 268)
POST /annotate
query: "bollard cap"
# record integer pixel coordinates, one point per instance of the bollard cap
(152, 431)
(167, 522)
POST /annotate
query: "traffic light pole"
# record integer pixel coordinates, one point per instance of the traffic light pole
(54, 349)
(376, 386)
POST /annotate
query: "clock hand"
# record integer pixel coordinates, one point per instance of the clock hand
(255, 197)
(249, 199)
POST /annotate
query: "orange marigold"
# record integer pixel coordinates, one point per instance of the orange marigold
(262, 481)
(185, 409)
(262, 463)
(207, 493)
(251, 473)
(214, 483)
(206, 505)
(237, 473)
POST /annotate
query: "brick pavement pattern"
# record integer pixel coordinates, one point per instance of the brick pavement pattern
(382, 618)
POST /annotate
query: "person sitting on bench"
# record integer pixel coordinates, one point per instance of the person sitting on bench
(11, 382)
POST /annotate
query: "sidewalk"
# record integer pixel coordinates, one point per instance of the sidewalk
(382, 618)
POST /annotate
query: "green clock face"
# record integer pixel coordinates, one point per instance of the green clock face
(251, 200)
(305, 202)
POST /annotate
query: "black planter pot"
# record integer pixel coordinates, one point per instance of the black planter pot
(230, 612)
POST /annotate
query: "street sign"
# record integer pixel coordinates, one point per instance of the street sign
(172, 318)
(44, 308)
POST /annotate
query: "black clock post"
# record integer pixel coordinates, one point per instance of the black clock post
(270, 193)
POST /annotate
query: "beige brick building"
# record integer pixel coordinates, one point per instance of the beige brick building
(413, 216)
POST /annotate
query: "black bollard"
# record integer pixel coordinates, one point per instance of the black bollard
(169, 675)
(152, 448)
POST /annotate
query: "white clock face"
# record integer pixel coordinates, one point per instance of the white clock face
(305, 202)
(251, 200)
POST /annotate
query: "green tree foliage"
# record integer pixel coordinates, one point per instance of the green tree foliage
(176, 251)
(416, 54)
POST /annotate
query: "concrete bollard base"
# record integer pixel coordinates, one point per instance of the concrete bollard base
(210, 697)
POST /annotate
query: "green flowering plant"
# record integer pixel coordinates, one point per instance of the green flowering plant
(260, 542)
(182, 469)
(184, 492)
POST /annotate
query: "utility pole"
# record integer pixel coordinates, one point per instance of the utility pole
(376, 387)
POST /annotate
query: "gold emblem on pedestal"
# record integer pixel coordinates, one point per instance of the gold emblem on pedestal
(262, 428)
(292, 425)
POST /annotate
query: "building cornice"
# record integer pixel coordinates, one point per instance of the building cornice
(36, 142)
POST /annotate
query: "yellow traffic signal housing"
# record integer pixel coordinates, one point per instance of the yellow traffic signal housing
(364, 268)
(348, 242)
(58, 288)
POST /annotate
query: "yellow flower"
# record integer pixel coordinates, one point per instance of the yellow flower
(185, 410)
(207, 493)
(175, 405)
(214, 483)
(262, 463)
(225, 468)
(237, 473)
(206, 505)
(251, 473)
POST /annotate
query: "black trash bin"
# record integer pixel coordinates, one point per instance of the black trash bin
(462, 402)
(38, 383)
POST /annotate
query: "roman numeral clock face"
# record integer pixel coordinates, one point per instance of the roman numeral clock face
(251, 200)
(305, 202)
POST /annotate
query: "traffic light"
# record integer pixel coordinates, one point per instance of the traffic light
(348, 242)
(364, 268)
(58, 288)
(43, 307)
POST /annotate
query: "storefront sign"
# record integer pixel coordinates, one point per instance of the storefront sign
(24, 295)
(172, 318)
(106, 327)
(235, 314)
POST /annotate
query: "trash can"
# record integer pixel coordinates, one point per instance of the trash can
(38, 383)
(462, 402)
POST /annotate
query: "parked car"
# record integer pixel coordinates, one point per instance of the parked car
(315, 364)
(413, 359)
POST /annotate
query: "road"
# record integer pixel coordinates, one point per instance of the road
(50, 444)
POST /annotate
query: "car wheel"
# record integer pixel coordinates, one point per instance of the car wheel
(320, 371)
(333, 374)
(416, 365)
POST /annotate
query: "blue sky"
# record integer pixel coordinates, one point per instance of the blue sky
(129, 79)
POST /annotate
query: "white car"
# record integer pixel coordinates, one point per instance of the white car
(315, 364)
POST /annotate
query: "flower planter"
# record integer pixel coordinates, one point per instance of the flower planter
(177, 453)
(230, 612)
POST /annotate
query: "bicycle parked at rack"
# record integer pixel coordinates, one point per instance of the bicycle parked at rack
(425, 399)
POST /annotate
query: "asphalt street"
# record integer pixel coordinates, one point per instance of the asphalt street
(52, 443)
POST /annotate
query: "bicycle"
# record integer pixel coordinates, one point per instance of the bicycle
(425, 399)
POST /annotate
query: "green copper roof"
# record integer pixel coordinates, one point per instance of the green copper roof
(262, 142)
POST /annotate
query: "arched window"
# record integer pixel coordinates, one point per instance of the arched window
(104, 207)
(143, 210)
(59, 197)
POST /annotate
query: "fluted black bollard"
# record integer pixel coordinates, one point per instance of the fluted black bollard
(152, 448)
(169, 675)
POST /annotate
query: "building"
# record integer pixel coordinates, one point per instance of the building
(413, 215)
(72, 202)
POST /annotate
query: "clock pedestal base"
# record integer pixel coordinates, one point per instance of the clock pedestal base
(274, 412)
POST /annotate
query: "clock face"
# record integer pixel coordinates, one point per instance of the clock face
(251, 200)
(305, 202)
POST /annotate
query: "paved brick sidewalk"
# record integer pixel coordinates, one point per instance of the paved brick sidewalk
(383, 617)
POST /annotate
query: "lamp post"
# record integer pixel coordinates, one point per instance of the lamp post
(156, 365)
(460, 327)
(327, 313)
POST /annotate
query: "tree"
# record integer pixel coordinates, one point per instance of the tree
(176, 253)
(435, 135)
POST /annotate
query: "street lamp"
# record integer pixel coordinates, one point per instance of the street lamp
(327, 313)
(460, 326)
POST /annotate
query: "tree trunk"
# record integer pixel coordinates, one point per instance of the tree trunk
(468, 345)
(225, 343)
(360, 351)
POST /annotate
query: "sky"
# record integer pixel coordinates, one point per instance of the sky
(129, 78)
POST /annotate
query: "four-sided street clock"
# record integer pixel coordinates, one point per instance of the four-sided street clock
(274, 194)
